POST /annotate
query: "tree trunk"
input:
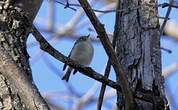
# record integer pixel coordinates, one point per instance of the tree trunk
(17, 90)
(138, 48)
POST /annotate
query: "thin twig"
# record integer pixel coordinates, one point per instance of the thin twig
(166, 17)
(66, 6)
(71, 5)
(103, 87)
(96, 10)
(166, 50)
(170, 29)
(169, 4)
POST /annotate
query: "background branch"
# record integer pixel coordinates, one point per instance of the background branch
(166, 17)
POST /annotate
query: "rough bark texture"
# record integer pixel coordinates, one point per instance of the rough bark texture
(17, 90)
(138, 48)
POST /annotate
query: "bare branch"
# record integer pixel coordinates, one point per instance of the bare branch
(166, 50)
(103, 87)
(96, 10)
(170, 29)
(66, 5)
(169, 5)
(166, 17)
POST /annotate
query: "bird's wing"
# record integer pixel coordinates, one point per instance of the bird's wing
(65, 65)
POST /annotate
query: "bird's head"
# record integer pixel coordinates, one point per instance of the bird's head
(84, 38)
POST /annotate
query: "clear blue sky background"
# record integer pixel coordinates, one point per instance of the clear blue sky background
(48, 80)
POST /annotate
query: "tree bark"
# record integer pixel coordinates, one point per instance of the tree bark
(17, 89)
(138, 48)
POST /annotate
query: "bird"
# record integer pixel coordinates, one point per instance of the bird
(82, 52)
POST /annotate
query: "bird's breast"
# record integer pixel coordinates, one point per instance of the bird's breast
(83, 53)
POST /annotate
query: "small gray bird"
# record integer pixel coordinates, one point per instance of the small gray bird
(82, 52)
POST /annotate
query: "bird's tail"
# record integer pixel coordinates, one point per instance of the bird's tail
(67, 74)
